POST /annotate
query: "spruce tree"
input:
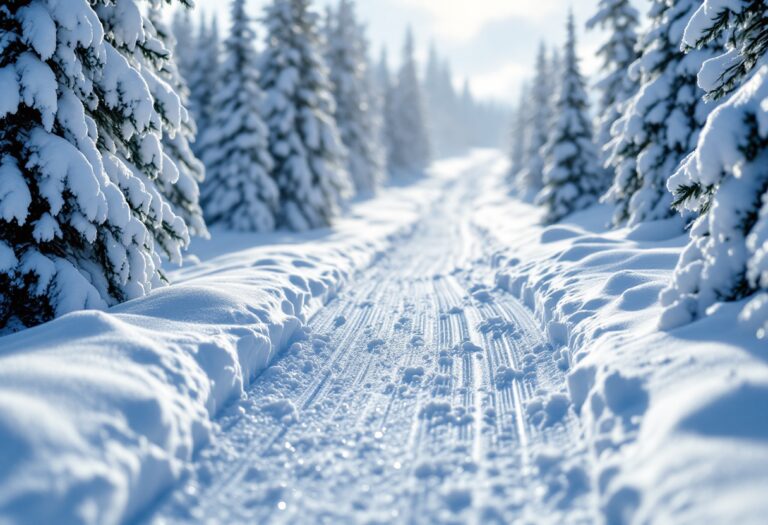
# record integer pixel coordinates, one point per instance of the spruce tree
(555, 66)
(439, 119)
(386, 93)
(183, 30)
(82, 220)
(310, 162)
(409, 132)
(239, 193)
(144, 52)
(619, 19)
(447, 131)
(205, 77)
(530, 179)
(661, 123)
(741, 25)
(182, 191)
(462, 114)
(347, 56)
(519, 133)
(572, 180)
(377, 114)
(725, 179)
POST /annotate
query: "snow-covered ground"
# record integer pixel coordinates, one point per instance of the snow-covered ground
(676, 422)
(437, 357)
(101, 411)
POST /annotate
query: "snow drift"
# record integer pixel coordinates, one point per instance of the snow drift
(101, 411)
(676, 420)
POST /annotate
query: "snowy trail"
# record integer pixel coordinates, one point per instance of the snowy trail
(420, 395)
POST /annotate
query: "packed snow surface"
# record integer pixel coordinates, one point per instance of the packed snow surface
(439, 357)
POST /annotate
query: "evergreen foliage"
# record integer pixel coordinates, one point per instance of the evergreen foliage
(347, 56)
(204, 77)
(725, 179)
(661, 123)
(620, 20)
(184, 193)
(83, 112)
(410, 152)
(310, 161)
(530, 180)
(239, 194)
(572, 180)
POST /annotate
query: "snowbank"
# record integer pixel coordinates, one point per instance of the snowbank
(101, 411)
(677, 421)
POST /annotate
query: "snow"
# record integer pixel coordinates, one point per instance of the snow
(553, 389)
(14, 194)
(9, 91)
(239, 191)
(661, 123)
(725, 244)
(675, 418)
(100, 411)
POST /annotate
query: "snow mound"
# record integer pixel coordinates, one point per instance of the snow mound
(677, 419)
(101, 411)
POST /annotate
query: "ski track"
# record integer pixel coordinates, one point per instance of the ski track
(418, 396)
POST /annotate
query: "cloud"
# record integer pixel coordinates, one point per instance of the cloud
(463, 19)
(502, 82)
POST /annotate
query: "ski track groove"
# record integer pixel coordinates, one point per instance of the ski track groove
(395, 420)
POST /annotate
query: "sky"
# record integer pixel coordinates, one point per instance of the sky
(491, 42)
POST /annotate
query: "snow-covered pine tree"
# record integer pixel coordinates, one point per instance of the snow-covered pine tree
(434, 105)
(466, 116)
(409, 133)
(619, 19)
(520, 132)
(238, 193)
(347, 56)
(377, 113)
(310, 162)
(742, 26)
(131, 34)
(530, 179)
(572, 179)
(555, 66)
(183, 30)
(205, 76)
(447, 131)
(433, 72)
(661, 123)
(184, 193)
(725, 179)
(81, 217)
(385, 92)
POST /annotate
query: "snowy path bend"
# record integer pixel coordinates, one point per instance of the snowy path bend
(421, 395)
